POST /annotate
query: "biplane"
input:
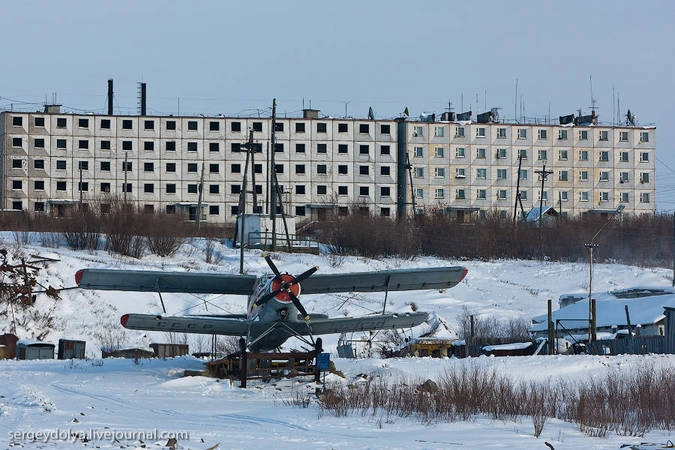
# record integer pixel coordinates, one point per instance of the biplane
(274, 312)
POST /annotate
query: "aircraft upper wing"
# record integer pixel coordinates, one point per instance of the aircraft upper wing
(157, 281)
(189, 324)
(383, 280)
(364, 323)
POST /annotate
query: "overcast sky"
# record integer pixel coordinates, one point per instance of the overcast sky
(211, 57)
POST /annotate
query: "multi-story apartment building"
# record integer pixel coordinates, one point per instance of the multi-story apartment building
(51, 160)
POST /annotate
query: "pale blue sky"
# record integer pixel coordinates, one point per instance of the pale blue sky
(234, 57)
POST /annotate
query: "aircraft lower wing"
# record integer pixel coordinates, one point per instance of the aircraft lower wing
(365, 323)
(157, 281)
(383, 280)
(189, 324)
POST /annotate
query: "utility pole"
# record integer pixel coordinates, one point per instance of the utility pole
(273, 178)
(80, 167)
(242, 203)
(543, 174)
(515, 206)
(124, 187)
(199, 200)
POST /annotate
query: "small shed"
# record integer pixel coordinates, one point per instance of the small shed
(70, 349)
(27, 350)
(169, 350)
(8, 346)
(547, 214)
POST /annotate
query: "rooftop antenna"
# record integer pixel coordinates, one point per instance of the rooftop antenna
(590, 80)
(485, 99)
(515, 103)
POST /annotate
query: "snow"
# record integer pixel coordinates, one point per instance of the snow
(53, 404)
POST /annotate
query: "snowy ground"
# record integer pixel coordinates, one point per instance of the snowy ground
(40, 401)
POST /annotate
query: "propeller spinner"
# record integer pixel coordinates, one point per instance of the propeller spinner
(286, 287)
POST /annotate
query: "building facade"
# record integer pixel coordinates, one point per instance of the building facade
(52, 160)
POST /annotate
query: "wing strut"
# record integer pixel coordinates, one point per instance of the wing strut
(160, 295)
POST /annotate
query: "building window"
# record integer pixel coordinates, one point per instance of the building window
(61, 144)
(215, 126)
(644, 177)
(127, 145)
(480, 132)
(460, 172)
(604, 196)
(192, 146)
(39, 164)
(17, 184)
(562, 135)
(385, 129)
(105, 187)
(60, 185)
(149, 124)
(192, 125)
(644, 137)
(439, 131)
(235, 147)
(105, 166)
(148, 188)
(170, 146)
(105, 145)
(170, 167)
(623, 177)
(603, 156)
(604, 135)
(542, 155)
(481, 174)
(299, 148)
(418, 152)
(321, 189)
(192, 188)
(480, 153)
(192, 167)
(83, 187)
(214, 210)
(214, 146)
(257, 127)
(321, 169)
(542, 134)
(17, 164)
(364, 128)
(460, 152)
(439, 193)
(61, 164)
(385, 170)
(624, 197)
(501, 133)
(343, 148)
(418, 131)
(501, 194)
(583, 155)
(562, 175)
(344, 169)
(321, 127)
(459, 132)
(127, 124)
(17, 121)
(16, 142)
(83, 165)
(460, 194)
(419, 172)
(214, 189)
(385, 212)
(299, 169)
(148, 146)
(522, 154)
(299, 127)
(170, 125)
(523, 174)
(279, 168)
(623, 136)
(385, 191)
(604, 176)
(83, 123)
(583, 175)
(644, 157)
(623, 156)
(321, 148)
(439, 172)
(278, 147)
(583, 135)
(644, 197)
(105, 124)
(439, 152)
(419, 193)
(214, 168)
(235, 127)
(364, 149)
(481, 194)
(235, 189)
(583, 196)
(39, 206)
(127, 166)
(501, 174)
(61, 122)
(522, 133)
(148, 167)
(501, 153)
(39, 143)
(523, 195)
(364, 190)
(235, 168)
(564, 196)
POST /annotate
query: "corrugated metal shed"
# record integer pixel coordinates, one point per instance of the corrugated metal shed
(8, 346)
(70, 349)
(34, 350)
(169, 350)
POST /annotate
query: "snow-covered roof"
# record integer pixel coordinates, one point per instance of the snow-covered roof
(533, 214)
(645, 306)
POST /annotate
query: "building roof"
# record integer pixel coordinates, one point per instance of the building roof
(533, 214)
(610, 309)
